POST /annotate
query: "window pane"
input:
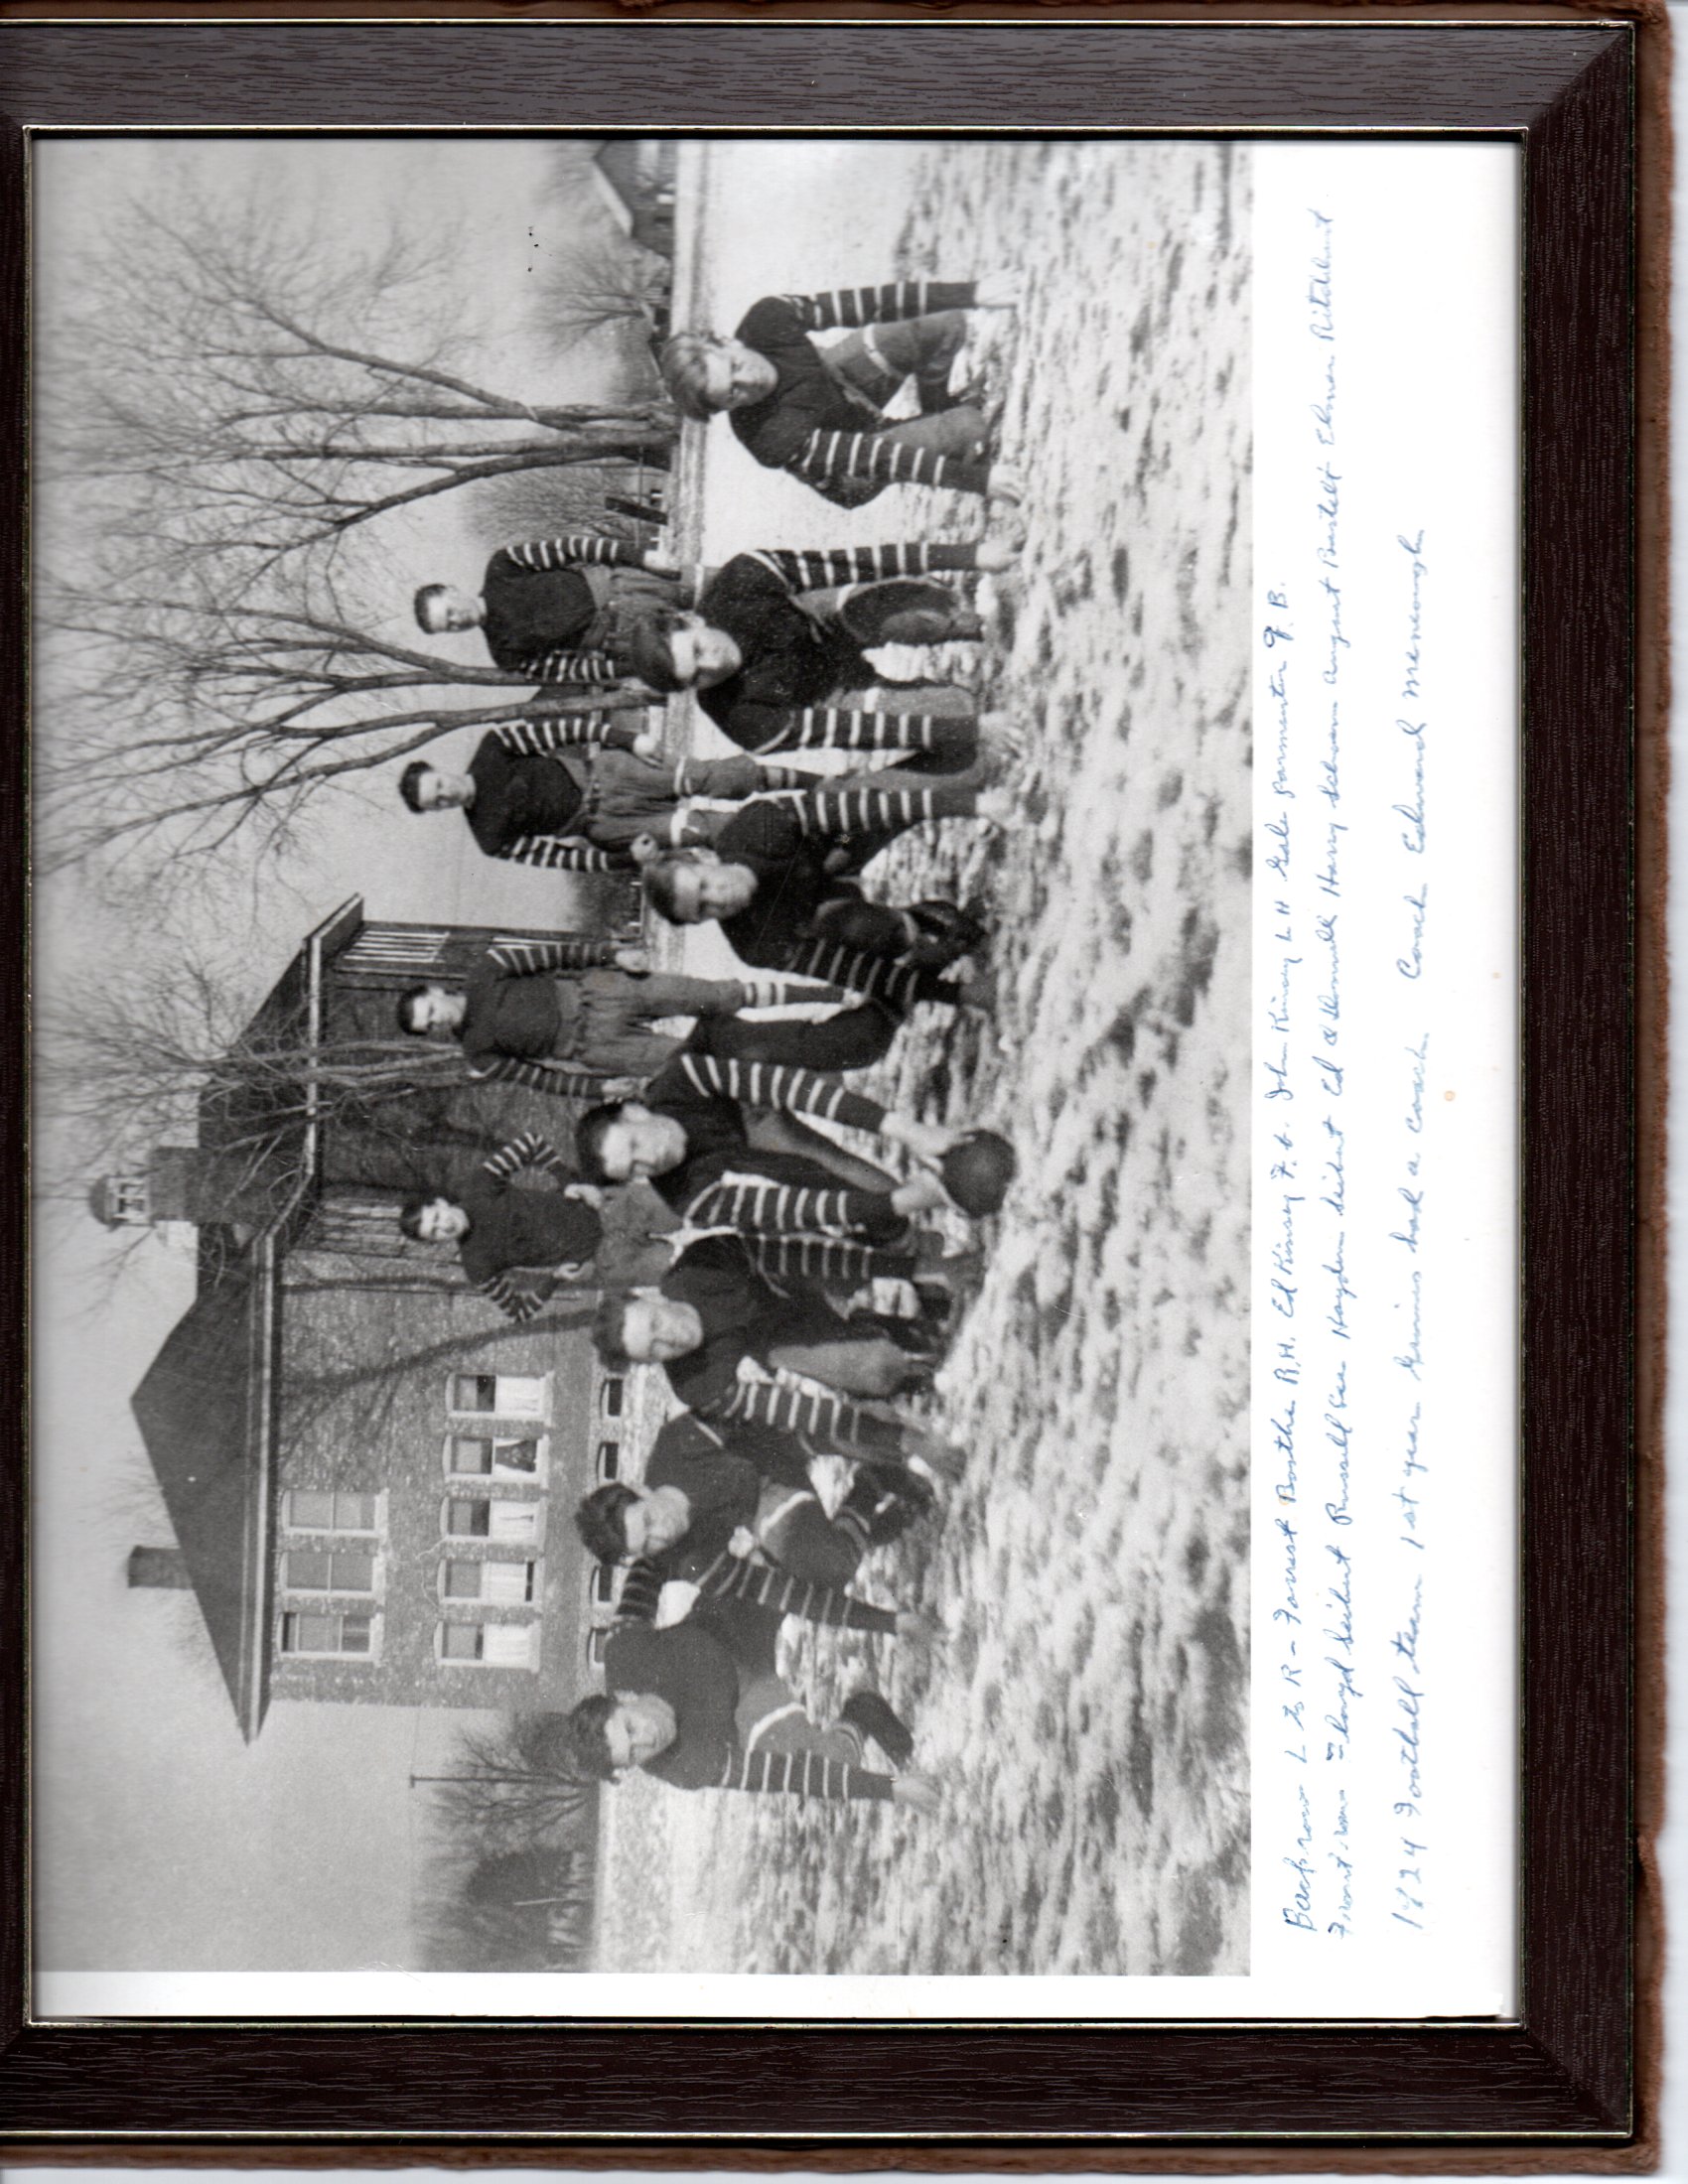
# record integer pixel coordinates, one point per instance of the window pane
(355, 1633)
(306, 1571)
(522, 1398)
(310, 1633)
(513, 1519)
(352, 1573)
(475, 1392)
(510, 1585)
(469, 1520)
(460, 1642)
(355, 1512)
(596, 1641)
(463, 1580)
(609, 1459)
(472, 1459)
(516, 1459)
(604, 1584)
(309, 1512)
(612, 1397)
(509, 1645)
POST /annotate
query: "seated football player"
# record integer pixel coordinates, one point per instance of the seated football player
(820, 412)
(701, 1713)
(778, 649)
(693, 1134)
(782, 880)
(707, 1515)
(740, 1343)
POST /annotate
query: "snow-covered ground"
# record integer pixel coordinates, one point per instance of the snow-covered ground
(1088, 1708)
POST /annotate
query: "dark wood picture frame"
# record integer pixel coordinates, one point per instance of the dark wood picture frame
(1558, 2088)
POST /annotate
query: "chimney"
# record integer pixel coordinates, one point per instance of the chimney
(162, 1566)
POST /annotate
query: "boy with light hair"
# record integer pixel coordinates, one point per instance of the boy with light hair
(820, 412)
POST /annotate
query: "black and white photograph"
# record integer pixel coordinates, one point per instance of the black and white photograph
(644, 849)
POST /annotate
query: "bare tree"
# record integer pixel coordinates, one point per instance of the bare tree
(532, 1909)
(255, 379)
(601, 281)
(542, 503)
(516, 1787)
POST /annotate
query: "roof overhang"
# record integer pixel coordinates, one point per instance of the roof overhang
(251, 1680)
(256, 1589)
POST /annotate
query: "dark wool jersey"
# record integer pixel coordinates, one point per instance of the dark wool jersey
(808, 396)
(686, 1442)
(724, 1473)
(512, 1013)
(742, 1317)
(695, 1674)
(521, 999)
(517, 795)
(511, 1227)
(712, 1124)
(793, 655)
(718, 1146)
(723, 1489)
(688, 1666)
(792, 881)
(790, 657)
(532, 612)
(716, 1184)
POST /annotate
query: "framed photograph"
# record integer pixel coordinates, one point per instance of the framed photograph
(831, 853)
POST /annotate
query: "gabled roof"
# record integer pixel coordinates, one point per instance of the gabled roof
(206, 1412)
(206, 1406)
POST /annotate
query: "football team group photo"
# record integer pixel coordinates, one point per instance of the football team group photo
(643, 813)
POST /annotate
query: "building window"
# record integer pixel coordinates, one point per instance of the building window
(517, 1523)
(609, 1459)
(328, 1634)
(499, 1395)
(597, 1641)
(331, 1512)
(462, 1581)
(316, 1570)
(499, 1457)
(488, 1645)
(609, 1398)
(500, 1584)
(128, 1199)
